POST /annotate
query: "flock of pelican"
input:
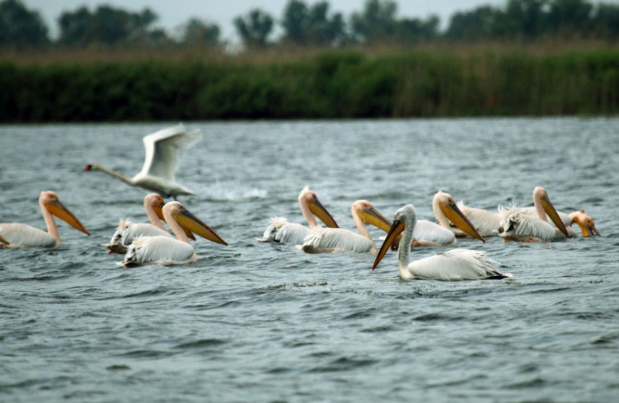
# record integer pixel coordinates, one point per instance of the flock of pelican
(152, 243)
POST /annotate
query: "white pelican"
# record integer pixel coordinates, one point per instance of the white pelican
(326, 240)
(127, 231)
(157, 174)
(521, 225)
(453, 265)
(584, 221)
(447, 213)
(166, 250)
(24, 236)
(280, 230)
(486, 222)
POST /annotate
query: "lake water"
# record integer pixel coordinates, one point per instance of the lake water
(255, 322)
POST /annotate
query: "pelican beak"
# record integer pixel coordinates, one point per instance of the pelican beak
(321, 212)
(159, 211)
(372, 217)
(59, 210)
(2, 240)
(594, 230)
(453, 213)
(587, 229)
(190, 222)
(553, 215)
(394, 232)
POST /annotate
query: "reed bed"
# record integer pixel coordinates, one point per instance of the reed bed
(297, 83)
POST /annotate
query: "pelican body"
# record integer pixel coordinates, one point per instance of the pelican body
(327, 240)
(453, 265)
(522, 226)
(280, 230)
(24, 236)
(161, 161)
(128, 231)
(165, 250)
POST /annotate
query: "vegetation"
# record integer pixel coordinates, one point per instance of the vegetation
(333, 84)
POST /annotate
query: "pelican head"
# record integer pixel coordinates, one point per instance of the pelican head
(369, 215)
(155, 202)
(539, 193)
(190, 222)
(49, 200)
(586, 223)
(450, 209)
(403, 217)
(509, 224)
(311, 200)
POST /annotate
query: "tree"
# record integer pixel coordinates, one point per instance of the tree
(525, 18)
(606, 20)
(377, 22)
(569, 16)
(20, 27)
(255, 28)
(107, 26)
(202, 33)
(305, 25)
(415, 30)
(481, 23)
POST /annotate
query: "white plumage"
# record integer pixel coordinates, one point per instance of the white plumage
(327, 240)
(427, 233)
(486, 222)
(160, 163)
(166, 250)
(16, 235)
(280, 230)
(454, 265)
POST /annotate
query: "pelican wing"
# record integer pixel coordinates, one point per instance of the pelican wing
(162, 148)
(336, 240)
(455, 265)
(427, 232)
(22, 235)
(484, 221)
(280, 230)
(158, 249)
(128, 231)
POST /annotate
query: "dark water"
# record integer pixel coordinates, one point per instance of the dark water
(265, 323)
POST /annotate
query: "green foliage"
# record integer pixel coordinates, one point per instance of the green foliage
(305, 25)
(255, 28)
(201, 33)
(19, 27)
(106, 25)
(342, 84)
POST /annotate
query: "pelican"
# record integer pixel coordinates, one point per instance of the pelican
(127, 231)
(586, 223)
(453, 265)
(446, 211)
(280, 230)
(520, 225)
(24, 236)
(486, 222)
(161, 161)
(326, 240)
(166, 250)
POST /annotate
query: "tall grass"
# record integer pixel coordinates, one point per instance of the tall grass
(425, 81)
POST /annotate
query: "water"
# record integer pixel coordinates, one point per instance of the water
(266, 323)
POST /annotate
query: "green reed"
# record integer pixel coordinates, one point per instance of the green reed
(423, 82)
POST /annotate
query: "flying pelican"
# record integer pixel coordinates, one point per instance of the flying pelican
(280, 230)
(326, 240)
(24, 236)
(127, 231)
(166, 250)
(520, 225)
(161, 161)
(453, 265)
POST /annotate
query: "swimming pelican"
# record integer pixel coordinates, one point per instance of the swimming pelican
(486, 222)
(127, 231)
(453, 265)
(157, 174)
(166, 250)
(280, 230)
(327, 240)
(520, 225)
(584, 221)
(446, 211)
(24, 236)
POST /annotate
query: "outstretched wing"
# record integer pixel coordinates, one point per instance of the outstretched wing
(162, 148)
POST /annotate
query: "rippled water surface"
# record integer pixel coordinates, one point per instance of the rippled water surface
(265, 323)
